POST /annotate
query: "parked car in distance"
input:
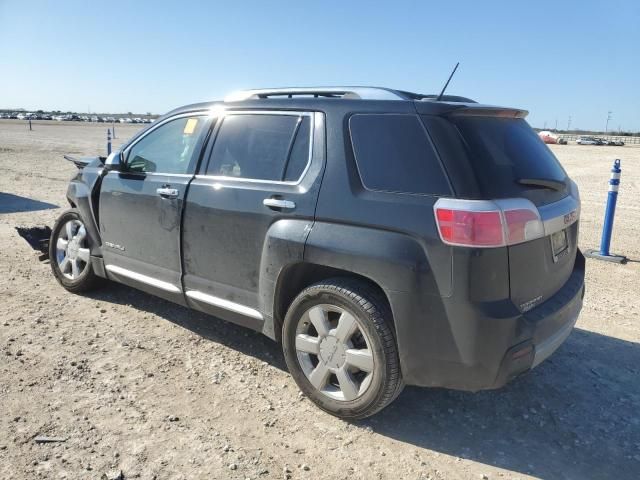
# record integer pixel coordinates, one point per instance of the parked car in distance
(588, 141)
(383, 237)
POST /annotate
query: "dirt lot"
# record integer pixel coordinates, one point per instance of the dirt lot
(138, 385)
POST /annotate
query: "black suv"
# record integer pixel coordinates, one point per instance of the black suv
(383, 237)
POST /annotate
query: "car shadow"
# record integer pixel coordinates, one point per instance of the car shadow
(575, 416)
(211, 328)
(10, 203)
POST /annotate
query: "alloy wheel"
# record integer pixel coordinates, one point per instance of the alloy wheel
(72, 250)
(334, 352)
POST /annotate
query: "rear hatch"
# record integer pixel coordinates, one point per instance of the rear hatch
(493, 154)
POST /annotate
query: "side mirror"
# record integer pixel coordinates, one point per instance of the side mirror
(114, 161)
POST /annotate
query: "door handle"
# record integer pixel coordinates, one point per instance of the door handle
(166, 192)
(278, 203)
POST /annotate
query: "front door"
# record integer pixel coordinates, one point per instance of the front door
(260, 181)
(140, 206)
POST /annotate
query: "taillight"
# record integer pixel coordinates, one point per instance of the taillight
(463, 227)
(522, 225)
(487, 223)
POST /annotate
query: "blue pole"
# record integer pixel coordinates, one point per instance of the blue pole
(609, 214)
(108, 141)
(610, 211)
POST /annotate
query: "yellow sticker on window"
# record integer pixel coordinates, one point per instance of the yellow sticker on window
(190, 126)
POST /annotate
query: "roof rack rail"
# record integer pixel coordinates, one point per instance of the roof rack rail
(363, 93)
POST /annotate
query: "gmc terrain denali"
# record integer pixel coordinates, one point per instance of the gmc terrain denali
(383, 237)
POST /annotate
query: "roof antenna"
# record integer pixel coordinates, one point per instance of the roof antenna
(447, 84)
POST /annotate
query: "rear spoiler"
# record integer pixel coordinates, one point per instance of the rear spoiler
(82, 162)
(483, 111)
(468, 109)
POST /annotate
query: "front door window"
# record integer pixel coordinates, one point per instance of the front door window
(169, 148)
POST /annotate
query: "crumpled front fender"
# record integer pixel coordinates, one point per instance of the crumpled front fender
(82, 194)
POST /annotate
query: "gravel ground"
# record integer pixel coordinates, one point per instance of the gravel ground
(141, 388)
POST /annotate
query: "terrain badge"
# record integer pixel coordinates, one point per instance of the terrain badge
(114, 245)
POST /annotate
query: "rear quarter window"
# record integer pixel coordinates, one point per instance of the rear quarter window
(394, 154)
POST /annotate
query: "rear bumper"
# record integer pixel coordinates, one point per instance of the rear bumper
(487, 346)
(550, 327)
(551, 344)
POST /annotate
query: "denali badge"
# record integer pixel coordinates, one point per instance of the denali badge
(526, 306)
(114, 245)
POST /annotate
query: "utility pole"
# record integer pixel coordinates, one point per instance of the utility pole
(556, 129)
(608, 118)
(569, 124)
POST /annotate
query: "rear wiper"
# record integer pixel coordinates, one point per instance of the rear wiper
(543, 182)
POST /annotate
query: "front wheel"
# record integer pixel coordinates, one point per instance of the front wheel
(340, 348)
(69, 253)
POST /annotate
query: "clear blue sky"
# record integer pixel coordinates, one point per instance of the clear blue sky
(554, 59)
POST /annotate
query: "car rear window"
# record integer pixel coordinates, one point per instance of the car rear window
(504, 151)
(394, 154)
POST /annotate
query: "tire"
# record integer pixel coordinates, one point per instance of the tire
(340, 348)
(81, 277)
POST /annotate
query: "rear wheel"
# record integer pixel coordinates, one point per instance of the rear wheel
(340, 348)
(69, 253)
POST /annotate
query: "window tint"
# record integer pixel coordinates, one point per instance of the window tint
(453, 154)
(256, 147)
(169, 148)
(504, 151)
(393, 154)
(299, 156)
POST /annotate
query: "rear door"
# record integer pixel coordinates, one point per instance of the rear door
(141, 205)
(259, 180)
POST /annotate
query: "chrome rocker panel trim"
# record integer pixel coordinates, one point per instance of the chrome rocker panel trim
(154, 282)
(225, 304)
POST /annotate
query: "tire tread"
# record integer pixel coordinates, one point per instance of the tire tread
(88, 282)
(378, 311)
